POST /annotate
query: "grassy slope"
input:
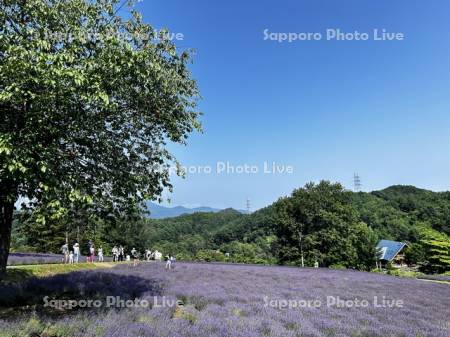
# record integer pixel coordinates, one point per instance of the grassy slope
(18, 273)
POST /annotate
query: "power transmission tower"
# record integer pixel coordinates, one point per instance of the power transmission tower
(356, 182)
(247, 205)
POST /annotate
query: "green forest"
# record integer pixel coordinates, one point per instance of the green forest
(322, 223)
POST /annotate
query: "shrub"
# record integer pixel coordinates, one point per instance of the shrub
(337, 266)
(210, 256)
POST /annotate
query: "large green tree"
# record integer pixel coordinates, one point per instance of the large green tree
(88, 101)
(318, 223)
(436, 251)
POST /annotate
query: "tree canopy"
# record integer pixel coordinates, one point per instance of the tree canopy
(319, 223)
(88, 102)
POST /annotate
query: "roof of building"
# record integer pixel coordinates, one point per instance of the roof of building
(389, 249)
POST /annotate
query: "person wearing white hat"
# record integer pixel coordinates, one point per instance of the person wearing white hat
(76, 252)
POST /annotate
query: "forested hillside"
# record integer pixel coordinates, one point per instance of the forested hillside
(396, 211)
(402, 213)
(321, 223)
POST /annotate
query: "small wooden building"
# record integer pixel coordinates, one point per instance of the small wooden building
(391, 252)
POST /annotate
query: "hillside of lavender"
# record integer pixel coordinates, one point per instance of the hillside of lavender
(227, 300)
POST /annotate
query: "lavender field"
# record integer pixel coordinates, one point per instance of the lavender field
(228, 300)
(33, 258)
(15, 259)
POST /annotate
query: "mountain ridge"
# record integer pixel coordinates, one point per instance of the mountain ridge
(157, 211)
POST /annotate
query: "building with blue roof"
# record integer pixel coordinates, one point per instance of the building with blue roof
(391, 252)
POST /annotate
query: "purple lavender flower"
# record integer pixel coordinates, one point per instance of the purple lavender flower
(240, 301)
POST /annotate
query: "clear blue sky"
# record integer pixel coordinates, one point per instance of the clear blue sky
(328, 108)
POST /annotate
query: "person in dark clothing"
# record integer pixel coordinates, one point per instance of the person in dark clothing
(88, 256)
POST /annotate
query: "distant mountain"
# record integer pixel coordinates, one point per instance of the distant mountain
(161, 212)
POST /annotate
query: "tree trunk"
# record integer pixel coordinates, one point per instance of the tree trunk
(6, 218)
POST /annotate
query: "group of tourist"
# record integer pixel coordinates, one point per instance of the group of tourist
(91, 253)
(149, 255)
(118, 254)
(73, 256)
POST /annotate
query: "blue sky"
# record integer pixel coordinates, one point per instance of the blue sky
(327, 108)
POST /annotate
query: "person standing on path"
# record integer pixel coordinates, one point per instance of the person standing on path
(100, 254)
(121, 253)
(88, 256)
(65, 251)
(76, 252)
(135, 255)
(92, 251)
(115, 253)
